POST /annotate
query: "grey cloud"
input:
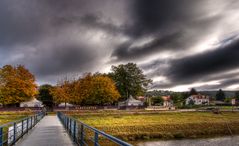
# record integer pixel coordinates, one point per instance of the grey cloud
(200, 67)
(57, 37)
(174, 27)
(222, 85)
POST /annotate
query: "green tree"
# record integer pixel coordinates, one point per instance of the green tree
(129, 80)
(45, 96)
(156, 100)
(17, 84)
(179, 98)
(191, 102)
(228, 100)
(237, 95)
(193, 92)
(220, 95)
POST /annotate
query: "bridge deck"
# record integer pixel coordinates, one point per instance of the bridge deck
(48, 132)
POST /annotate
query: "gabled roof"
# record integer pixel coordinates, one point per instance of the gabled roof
(131, 99)
(199, 96)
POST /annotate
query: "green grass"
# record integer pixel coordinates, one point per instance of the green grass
(144, 126)
(6, 117)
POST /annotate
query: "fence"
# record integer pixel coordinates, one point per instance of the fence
(77, 131)
(12, 131)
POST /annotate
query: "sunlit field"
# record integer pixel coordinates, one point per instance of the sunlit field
(6, 117)
(143, 126)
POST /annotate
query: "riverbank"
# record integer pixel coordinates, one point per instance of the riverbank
(147, 126)
(218, 141)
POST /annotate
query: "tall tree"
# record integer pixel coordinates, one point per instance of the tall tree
(129, 79)
(17, 84)
(98, 90)
(90, 90)
(45, 96)
(193, 91)
(62, 92)
(220, 95)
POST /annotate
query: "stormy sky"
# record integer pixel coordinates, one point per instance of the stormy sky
(179, 44)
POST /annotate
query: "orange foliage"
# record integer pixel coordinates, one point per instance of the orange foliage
(17, 84)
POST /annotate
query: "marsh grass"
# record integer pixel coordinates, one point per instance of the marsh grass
(144, 126)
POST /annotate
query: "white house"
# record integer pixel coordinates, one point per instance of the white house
(65, 105)
(32, 103)
(167, 101)
(131, 102)
(198, 99)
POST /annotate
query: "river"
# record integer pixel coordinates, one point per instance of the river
(219, 141)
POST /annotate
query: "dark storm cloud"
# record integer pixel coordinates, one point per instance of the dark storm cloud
(58, 37)
(154, 15)
(173, 25)
(202, 67)
(196, 66)
(49, 37)
(125, 51)
(224, 83)
(69, 57)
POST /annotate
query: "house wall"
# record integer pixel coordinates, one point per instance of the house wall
(197, 101)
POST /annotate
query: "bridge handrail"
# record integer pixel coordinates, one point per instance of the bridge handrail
(12, 131)
(72, 126)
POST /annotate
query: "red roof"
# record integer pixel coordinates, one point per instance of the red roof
(166, 98)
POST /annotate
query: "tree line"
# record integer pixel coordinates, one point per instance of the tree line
(17, 84)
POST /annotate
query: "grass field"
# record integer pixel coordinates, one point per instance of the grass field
(144, 126)
(6, 117)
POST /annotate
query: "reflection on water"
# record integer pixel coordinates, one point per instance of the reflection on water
(221, 141)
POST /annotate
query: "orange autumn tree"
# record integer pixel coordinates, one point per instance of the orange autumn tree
(61, 92)
(98, 90)
(17, 85)
(90, 90)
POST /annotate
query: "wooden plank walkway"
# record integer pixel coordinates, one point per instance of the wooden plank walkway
(48, 132)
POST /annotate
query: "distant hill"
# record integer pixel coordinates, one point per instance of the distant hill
(209, 93)
(213, 93)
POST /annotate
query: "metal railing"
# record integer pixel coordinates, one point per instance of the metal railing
(12, 131)
(77, 131)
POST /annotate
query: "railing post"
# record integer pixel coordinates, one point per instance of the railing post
(74, 131)
(27, 125)
(70, 126)
(1, 136)
(14, 132)
(35, 119)
(64, 121)
(81, 135)
(22, 126)
(96, 139)
(67, 123)
(31, 122)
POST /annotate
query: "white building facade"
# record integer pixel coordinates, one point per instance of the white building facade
(198, 100)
